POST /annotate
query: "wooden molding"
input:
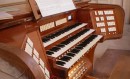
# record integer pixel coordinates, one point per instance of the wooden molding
(12, 4)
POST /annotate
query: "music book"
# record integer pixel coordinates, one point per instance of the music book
(4, 15)
(51, 7)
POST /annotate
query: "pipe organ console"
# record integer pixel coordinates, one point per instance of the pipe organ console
(62, 45)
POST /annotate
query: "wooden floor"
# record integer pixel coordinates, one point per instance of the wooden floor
(114, 64)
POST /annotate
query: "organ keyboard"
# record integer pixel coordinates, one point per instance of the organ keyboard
(72, 50)
(76, 53)
(62, 33)
(67, 44)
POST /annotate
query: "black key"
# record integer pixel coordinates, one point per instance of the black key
(78, 47)
(75, 51)
(65, 42)
(94, 36)
(91, 38)
(49, 52)
(65, 58)
(59, 33)
(55, 35)
(60, 63)
(70, 54)
(55, 49)
(60, 46)
(49, 36)
(45, 39)
(82, 45)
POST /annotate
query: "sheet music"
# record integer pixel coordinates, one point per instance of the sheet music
(51, 7)
(66, 5)
(4, 15)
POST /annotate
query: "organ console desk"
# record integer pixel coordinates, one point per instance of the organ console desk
(60, 46)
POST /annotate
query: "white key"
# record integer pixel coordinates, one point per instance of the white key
(63, 35)
(82, 52)
(62, 50)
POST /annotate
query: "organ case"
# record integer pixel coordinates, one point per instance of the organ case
(65, 42)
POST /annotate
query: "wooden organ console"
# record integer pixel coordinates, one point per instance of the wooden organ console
(62, 45)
